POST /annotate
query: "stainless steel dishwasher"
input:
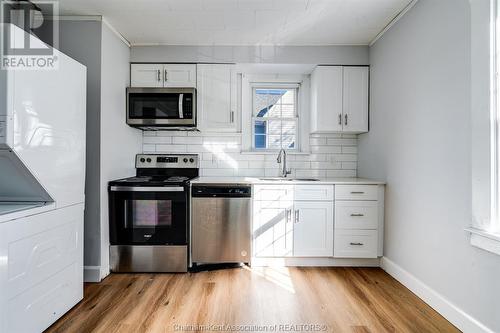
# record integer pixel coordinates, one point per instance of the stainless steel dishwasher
(221, 223)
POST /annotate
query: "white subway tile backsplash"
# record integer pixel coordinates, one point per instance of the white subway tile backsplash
(148, 148)
(340, 173)
(191, 140)
(341, 142)
(345, 157)
(317, 141)
(157, 139)
(349, 165)
(171, 148)
(325, 165)
(331, 155)
(326, 149)
(349, 149)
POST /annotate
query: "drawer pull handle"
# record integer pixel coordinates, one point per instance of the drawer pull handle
(356, 215)
(357, 192)
(357, 244)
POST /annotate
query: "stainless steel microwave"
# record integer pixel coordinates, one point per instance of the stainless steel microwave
(161, 107)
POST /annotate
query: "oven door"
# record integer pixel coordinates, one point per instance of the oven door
(161, 106)
(148, 215)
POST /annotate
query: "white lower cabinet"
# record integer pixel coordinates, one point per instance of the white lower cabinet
(318, 221)
(272, 228)
(283, 227)
(358, 221)
(313, 229)
(355, 243)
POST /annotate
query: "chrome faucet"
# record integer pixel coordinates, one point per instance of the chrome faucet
(282, 160)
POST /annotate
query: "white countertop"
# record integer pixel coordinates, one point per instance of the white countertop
(255, 180)
(15, 210)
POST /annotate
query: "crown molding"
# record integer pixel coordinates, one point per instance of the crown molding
(393, 22)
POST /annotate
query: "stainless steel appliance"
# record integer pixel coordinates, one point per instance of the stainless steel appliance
(221, 223)
(149, 214)
(155, 108)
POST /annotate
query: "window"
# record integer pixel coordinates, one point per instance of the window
(275, 117)
(495, 114)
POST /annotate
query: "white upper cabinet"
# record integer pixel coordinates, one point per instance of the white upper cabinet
(146, 75)
(179, 75)
(216, 93)
(163, 75)
(326, 99)
(355, 99)
(339, 99)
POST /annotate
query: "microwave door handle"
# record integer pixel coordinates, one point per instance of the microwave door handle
(181, 111)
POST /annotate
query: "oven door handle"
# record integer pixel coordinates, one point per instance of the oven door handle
(146, 189)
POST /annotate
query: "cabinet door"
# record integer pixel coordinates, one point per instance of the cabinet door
(313, 229)
(326, 99)
(146, 75)
(355, 96)
(179, 75)
(272, 229)
(216, 108)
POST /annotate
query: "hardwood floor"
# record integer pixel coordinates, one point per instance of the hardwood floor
(334, 299)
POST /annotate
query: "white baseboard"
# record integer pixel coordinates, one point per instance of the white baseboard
(450, 311)
(315, 262)
(92, 273)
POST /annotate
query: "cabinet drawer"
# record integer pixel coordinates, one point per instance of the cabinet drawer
(355, 243)
(356, 192)
(356, 214)
(273, 192)
(313, 192)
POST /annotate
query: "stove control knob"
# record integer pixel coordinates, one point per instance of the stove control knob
(148, 160)
(191, 160)
(185, 160)
(142, 160)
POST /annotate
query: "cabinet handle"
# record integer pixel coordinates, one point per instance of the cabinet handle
(356, 215)
(288, 214)
(297, 216)
(345, 116)
(340, 119)
(158, 72)
(165, 75)
(356, 244)
(357, 192)
(231, 117)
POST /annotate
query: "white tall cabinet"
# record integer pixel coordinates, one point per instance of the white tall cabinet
(216, 98)
(339, 99)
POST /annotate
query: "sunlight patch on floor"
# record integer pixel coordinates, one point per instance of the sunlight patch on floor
(278, 275)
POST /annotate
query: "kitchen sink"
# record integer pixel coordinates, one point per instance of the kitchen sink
(290, 179)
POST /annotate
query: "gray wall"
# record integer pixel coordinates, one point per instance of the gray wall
(420, 142)
(119, 142)
(81, 40)
(326, 55)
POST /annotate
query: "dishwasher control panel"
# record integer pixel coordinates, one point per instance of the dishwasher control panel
(207, 191)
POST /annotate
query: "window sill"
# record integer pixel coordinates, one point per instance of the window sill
(487, 241)
(256, 152)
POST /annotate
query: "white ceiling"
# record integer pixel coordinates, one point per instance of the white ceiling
(242, 22)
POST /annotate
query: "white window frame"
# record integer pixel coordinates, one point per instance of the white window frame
(267, 85)
(487, 237)
(248, 80)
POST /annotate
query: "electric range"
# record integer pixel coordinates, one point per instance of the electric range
(149, 214)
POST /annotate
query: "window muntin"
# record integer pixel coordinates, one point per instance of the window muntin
(275, 118)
